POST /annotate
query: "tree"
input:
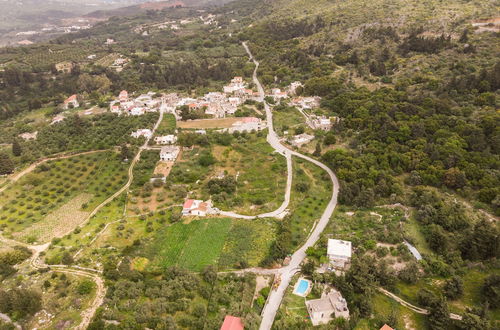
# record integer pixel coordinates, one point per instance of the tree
(471, 321)
(302, 187)
(317, 151)
(85, 287)
(454, 288)
(307, 268)
(67, 258)
(439, 314)
(454, 178)
(6, 164)
(330, 139)
(16, 148)
(125, 152)
(491, 290)
(20, 302)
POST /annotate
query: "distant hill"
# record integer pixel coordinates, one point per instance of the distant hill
(135, 9)
(156, 5)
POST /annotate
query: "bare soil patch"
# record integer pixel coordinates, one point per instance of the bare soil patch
(163, 168)
(208, 123)
(58, 223)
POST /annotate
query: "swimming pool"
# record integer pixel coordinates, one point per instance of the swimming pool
(301, 289)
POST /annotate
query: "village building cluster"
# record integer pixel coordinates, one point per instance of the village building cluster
(135, 107)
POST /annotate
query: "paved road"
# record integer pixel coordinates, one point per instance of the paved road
(286, 273)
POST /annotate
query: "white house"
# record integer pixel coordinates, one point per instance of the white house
(195, 207)
(123, 97)
(166, 139)
(322, 123)
(247, 124)
(328, 307)
(169, 153)
(236, 84)
(137, 111)
(339, 253)
(29, 136)
(277, 94)
(142, 132)
(301, 139)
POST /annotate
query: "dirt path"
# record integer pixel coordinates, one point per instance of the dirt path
(16, 176)
(413, 307)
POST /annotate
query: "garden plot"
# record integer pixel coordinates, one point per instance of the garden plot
(58, 223)
(228, 243)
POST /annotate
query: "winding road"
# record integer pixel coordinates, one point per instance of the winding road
(286, 273)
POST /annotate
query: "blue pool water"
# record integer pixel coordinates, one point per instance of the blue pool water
(302, 287)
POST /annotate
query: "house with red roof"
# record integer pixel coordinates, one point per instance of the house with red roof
(232, 323)
(71, 102)
(195, 207)
(123, 97)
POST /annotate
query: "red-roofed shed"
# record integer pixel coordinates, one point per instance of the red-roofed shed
(232, 323)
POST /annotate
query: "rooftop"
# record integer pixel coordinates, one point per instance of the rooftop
(232, 323)
(339, 248)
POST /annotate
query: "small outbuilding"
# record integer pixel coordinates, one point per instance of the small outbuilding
(232, 323)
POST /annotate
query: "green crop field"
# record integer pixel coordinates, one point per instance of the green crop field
(167, 125)
(194, 245)
(59, 194)
(217, 241)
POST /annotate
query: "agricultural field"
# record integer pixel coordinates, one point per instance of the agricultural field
(89, 237)
(388, 311)
(167, 125)
(208, 123)
(225, 243)
(58, 195)
(146, 196)
(289, 119)
(260, 176)
(473, 278)
(311, 192)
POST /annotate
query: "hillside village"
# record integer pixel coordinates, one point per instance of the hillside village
(253, 165)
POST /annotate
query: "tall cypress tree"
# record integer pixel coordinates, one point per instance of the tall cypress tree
(16, 148)
(6, 164)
